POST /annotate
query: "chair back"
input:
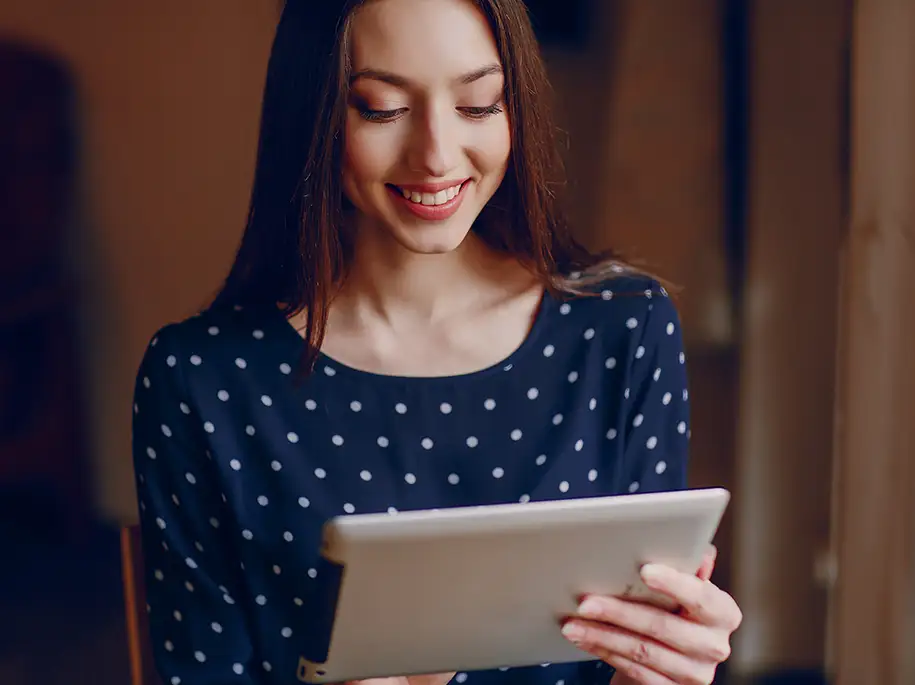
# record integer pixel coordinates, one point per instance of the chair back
(142, 668)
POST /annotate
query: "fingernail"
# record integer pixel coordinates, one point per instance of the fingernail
(653, 573)
(590, 608)
(573, 631)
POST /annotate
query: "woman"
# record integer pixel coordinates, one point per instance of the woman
(408, 325)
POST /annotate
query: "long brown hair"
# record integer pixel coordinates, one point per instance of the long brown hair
(293, 251)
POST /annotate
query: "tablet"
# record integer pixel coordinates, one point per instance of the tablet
(475, 588)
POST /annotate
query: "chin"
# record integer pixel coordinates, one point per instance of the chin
(429, 240)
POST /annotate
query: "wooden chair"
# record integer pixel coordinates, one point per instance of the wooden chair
(142, 669)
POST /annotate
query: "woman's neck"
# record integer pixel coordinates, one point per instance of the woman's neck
(390, 283)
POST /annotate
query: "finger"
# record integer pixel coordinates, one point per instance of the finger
(708, 564)
(636, 672)
(606, 641)
(701, 599)
(676, 632)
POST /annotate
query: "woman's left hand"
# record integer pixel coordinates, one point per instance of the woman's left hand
(652, 646)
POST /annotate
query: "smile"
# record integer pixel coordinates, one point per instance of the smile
(426, 204)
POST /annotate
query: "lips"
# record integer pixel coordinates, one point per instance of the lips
(430, 199)
(431, 202)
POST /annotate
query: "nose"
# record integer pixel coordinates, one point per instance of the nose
(434, 145)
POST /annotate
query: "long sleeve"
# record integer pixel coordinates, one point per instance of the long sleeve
(198, 631)
(656, 431)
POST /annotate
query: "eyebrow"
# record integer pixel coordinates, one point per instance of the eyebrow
(403, 82)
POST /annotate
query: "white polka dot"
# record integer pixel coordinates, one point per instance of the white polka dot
(298, 601)
(267, 400)
(516, 435)
(304, 502)
(660, 468)
(146, 382)
(161, 523)
(320, 473)
(312, 573)
(557, 419)
(292, 437)
(365, 475)
(631, 323)
(241, 363)
(592, 405)
(214, 522)
(223, 395)
(189, 586)
(166, 431)
(190, 478)
(524, 499)
(267, 667)
(285, 369)
(489, 404)
(170, 360)
(565, 308)
(548, 351)
(200, 656)
(250, 430)
(573, 376)
(169, 647)
(472, 441)
(578, 445)
(258, 334)
(626, 393)
(611, 434)
(355, 405)
(670, 329)
(311, 405)
(262, 500)
(637, 421)
(564, 486)
(607, 294)
(400, 408)
(610, 363)
(410, 479)
(261, 600)
(213, 330)
(349, 508)
(196, 360)
(158, 575)
(175, 680)
(427, 443)
(592, 475)
(217, 628)
(657, 373)
(460, 678)
(685, 395)
(639, 352)
(666, 399)
(247, 534)
(498, 472)
(288, 537)
(177, 615)
(392, 510)
(445, 408)
(286, 632)
(238, 669)
(382, 441)
(150, 452)
(682, 358)
(337, 440)
(541, 460)
(235, 465)
(589, 334)
(329, 371)
(209, 427)
(453, 478)
(681, 427)
(533, 393)
(651, 443)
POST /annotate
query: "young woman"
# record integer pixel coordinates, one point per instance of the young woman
(408, 325)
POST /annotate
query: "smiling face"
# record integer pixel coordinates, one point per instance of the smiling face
(427, 136)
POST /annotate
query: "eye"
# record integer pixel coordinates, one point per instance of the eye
(481, 112)
(381, 115)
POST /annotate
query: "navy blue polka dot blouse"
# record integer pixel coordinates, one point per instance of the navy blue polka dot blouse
(239, 463)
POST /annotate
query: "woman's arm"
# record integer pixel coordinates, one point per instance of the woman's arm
(198, 631)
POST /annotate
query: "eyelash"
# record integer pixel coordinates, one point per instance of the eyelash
(388, 115)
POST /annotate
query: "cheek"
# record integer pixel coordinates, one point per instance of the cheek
(368, 153)
(492, 146)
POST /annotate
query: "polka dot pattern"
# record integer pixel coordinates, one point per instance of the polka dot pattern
(238, 467)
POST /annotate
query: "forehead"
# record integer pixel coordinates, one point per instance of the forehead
(422, 40)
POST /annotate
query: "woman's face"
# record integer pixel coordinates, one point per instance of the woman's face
(427, 136)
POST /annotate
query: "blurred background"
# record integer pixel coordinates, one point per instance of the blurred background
(759, 153)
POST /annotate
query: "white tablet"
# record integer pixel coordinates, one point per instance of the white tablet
(477, 588)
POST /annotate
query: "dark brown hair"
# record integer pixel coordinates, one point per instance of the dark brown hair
(293, 250)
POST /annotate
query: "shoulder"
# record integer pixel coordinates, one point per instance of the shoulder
(625, 305)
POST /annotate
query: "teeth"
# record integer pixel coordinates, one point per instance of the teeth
(430, 199)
